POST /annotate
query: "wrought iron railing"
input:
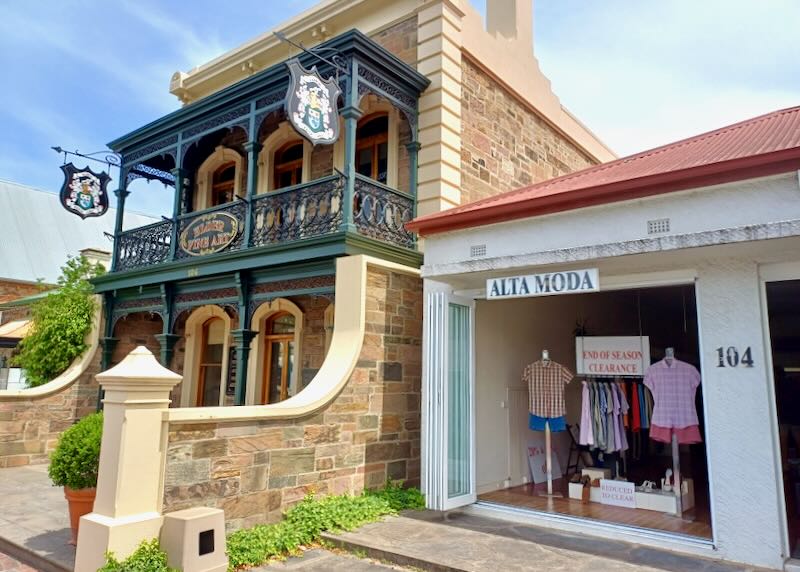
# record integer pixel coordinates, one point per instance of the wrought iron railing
(237, 210)
(303, 211)
(144, 246)
(382, 212)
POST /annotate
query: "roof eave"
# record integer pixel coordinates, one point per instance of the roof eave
(774, 163)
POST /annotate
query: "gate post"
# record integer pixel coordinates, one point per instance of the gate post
(127, 508)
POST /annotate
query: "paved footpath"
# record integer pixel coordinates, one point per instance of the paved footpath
(8, 564)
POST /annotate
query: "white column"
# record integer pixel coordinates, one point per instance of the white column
(739, 410)
(127, 509)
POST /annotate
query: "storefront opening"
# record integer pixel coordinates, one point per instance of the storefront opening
(511, 334)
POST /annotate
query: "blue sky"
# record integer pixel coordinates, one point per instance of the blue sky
(78, 73)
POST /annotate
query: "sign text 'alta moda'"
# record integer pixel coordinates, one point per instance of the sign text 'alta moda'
(548, 284)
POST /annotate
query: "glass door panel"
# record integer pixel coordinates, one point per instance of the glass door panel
(459, 406)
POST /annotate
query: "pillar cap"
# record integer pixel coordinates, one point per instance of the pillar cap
(139, 366)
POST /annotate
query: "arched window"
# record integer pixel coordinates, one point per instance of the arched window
(222, 184)
(288, 165)
(212, 351)
(279, 354)
(372, 147)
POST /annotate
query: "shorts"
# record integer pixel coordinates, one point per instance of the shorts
(536, 423)
(686, 435)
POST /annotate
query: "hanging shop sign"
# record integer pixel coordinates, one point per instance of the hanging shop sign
(612, 355)
(617, 493)
(209, 233)
(84, 191)
(311, 104)
(547, 284)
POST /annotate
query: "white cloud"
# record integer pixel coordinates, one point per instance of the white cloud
(641, 74)
(195, 50)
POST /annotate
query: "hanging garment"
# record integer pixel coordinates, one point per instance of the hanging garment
(586, 434)
(644, 418)
(546, 381)
(673, 384)
(636, 426)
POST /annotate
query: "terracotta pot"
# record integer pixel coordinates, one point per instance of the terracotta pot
(81, 502)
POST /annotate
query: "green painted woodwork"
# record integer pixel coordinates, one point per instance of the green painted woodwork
(312, 249)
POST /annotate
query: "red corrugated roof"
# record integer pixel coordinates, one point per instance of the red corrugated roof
(761, 146)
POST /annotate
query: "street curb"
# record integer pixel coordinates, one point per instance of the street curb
(384, 555)
(27, 556)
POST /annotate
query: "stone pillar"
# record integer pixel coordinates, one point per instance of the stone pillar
(127, 509)
(439, 58)
(242, 339)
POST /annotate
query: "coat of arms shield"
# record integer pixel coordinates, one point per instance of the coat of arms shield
(311, 104)
(84, 191)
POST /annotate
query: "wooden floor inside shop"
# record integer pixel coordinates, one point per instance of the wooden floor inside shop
(697, 521)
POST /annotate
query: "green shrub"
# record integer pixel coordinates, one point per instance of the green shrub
(399, 497)
(61, 321)
(76, 458)
(148, 557)
(306, 521)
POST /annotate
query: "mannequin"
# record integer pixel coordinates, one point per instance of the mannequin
(546, 380)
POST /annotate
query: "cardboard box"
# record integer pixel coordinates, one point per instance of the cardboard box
(576, 492)
(596, 473)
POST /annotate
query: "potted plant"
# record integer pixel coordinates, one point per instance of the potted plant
(74, 465)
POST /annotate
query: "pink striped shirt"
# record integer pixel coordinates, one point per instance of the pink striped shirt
(673, 386)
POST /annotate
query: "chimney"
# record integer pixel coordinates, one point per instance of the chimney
(511, 19)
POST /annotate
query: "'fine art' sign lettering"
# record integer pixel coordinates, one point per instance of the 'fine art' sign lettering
(612, 355)
(209, 233)
(617, 493)
(548, 284)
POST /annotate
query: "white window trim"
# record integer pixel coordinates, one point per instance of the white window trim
(266, 157)
(255, 366)
(191, 361)
(205, 175)
(371, 104)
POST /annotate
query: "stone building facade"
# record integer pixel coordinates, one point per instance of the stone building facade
(370, 432)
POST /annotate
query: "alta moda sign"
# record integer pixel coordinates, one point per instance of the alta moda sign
(549, 284)
(311, 104)
(612, 355)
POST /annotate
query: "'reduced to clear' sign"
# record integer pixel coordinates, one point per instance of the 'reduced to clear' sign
(617, 493)
(547, 284)
(612, 355)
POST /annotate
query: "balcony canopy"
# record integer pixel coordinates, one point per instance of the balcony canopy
(154, 150)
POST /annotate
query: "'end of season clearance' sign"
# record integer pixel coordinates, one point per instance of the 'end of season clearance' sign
(612, 355)
(548, 284)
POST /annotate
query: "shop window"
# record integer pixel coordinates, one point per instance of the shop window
(279, 358)
(222, 184)
(288, 168)
(372, 147)
(211, 362)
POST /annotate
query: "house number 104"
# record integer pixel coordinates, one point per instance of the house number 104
(729, 357)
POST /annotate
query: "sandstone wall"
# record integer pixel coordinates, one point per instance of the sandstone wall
(505, 144)
(370, 433)
(29, 428)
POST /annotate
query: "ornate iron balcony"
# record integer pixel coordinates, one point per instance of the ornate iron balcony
(301, 212)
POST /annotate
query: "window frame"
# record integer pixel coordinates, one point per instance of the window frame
(374, 142)
(285, 339)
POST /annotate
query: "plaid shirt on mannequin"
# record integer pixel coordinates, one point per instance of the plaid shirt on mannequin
(546, 381)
